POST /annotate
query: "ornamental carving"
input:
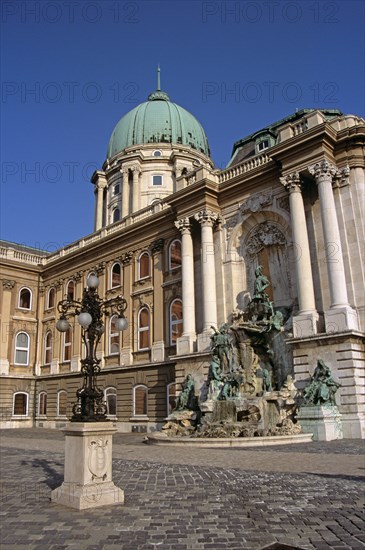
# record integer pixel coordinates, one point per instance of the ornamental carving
(99, 451)
(255, 203)
(292, 182)
(78, 276)
(99, 268)
(126, 258)
(157, 245)
(8, 284)
(342, 177)
(323, 170)
(283, 203)
(183, 225)
(206, 217)
(265, 234)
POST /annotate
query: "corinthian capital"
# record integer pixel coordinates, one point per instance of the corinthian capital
(206, 217)
(323, 170)
(292, 182)
(8, 284)
(183, 225)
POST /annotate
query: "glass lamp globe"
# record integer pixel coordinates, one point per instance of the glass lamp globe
(84, 319)
(92, 281)
(121, 323)
(62, 325)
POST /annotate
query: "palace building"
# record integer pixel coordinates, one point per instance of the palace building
(181, 239)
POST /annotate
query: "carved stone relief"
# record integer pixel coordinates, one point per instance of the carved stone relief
(255, 203)
(265, 234)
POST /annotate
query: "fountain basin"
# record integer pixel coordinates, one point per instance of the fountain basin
(223, 442)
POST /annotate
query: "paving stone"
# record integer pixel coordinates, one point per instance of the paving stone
(187, 500)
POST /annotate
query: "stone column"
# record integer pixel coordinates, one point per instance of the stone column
(305, 323)
(185, 344)
(100, 185)
(135, 191)
(207, 218)
(340, 316)
(125, 193)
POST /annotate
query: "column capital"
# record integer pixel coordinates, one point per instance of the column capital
(8, 284)
(323, 170)
(206, 217)
(292, 182)
(135, 169)
(126, 258)
(183, 225)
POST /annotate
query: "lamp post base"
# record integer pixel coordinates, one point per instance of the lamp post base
(88, 467)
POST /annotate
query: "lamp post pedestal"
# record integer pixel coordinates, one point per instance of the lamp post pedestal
(88, 467)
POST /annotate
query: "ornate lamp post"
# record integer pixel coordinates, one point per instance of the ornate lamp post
(90, 405)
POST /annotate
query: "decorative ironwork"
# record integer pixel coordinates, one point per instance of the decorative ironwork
(90, 405)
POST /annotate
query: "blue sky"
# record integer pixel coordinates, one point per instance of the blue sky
(72, 69)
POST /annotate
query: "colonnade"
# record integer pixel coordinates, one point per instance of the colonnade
(339, 316)
(206, 218)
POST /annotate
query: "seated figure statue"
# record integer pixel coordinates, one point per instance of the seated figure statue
(322, 387)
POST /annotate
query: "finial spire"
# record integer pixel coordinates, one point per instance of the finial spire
(158, 78)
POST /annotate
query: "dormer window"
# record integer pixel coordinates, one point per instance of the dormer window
(263, 145)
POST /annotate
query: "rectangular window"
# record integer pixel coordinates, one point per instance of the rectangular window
(157, 180)
(263, 145)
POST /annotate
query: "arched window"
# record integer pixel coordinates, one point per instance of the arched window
(176, 321)
(51, 298)
(143, 329)
(114, 336)
(42, 404)
(62, 403)
(70, 290)
(22, 344)
(111, 401)
(116, 275)
(175, 254)
(144, 265)
(48, 348)
(20, 404)
(25, 298)
(116, 215)
(171, 397)
(140, 395)
(67, 345)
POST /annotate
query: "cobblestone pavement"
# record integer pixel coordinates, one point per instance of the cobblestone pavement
(301, 496)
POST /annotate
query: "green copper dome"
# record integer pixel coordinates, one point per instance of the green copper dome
(158, 120)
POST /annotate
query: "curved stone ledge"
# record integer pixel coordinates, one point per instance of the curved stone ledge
(162, 439)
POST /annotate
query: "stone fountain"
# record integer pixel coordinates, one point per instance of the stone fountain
(250, 390)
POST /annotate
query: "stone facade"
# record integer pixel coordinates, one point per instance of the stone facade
(185, 261)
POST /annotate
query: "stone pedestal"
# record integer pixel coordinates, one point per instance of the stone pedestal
(185, 344)
(88, 467)
(323, 421)
(341, 319)
(204, 341)
(305, 324)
